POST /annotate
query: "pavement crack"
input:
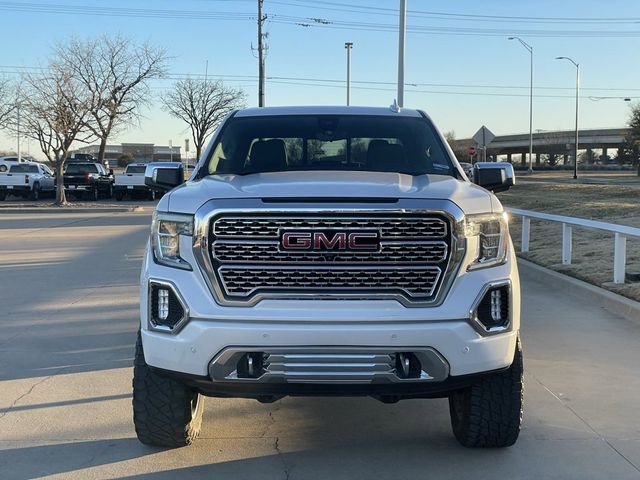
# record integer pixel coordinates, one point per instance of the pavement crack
(583, 420)
(272, 420)
(285, 467)
(28, 392)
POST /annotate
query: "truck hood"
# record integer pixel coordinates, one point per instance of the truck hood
(328, 184)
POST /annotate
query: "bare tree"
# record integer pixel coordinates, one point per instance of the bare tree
(202, 104)
(116, 72)
(7, 102)
(55, 112)
(632, 141)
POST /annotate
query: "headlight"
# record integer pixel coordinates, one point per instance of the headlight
(166, 229)
(491, 232)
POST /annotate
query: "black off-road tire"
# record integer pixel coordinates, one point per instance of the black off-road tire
(110, 191)
(93, 194)
(166, 413)
(3, 195)
(488, 414)
(119, 195)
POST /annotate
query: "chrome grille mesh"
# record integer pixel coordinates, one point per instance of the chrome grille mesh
(268, 252)
(245, 280)
(390, 228)
(248, 261)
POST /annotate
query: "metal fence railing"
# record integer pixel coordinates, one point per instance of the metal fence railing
(621, 232)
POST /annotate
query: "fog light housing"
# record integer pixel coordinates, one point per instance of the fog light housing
(492, 313)
(167, 311)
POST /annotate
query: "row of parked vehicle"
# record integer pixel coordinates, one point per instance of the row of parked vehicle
(87, 180)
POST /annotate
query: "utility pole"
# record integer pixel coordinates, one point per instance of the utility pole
(402, 25)
(348, 46)
(261, 20)
(19, 152)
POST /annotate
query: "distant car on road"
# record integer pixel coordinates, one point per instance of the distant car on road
(27, 180)
(90, 180)
(131, 182)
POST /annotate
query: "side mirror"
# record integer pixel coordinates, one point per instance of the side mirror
(111, 172)
(494, 176)
(164, 176)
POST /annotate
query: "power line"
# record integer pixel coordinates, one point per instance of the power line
(310, 21)
(458, 16)
(172, 76)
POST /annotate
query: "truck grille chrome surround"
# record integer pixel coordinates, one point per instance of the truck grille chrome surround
(239, 249)
(330, 365)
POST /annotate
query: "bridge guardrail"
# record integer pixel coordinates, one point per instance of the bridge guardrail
(621, 232)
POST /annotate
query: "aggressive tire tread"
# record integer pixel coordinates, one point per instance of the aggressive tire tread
(162, 407)
(488, 414)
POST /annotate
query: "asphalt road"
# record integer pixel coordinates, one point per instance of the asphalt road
(68, 290)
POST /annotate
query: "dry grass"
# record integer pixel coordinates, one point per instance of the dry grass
(626, 177)
(592, 249)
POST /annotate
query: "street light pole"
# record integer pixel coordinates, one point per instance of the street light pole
(575, 161)
(402, 25)
(19, 152)
(348, 46)
(530, 49)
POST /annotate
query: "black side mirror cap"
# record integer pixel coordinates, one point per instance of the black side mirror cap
(164, 176)
(494, 176)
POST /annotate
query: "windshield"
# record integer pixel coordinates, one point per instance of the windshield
(329, 142)
(136, 169)
(78, 168)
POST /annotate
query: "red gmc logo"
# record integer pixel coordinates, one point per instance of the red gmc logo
(330, 240)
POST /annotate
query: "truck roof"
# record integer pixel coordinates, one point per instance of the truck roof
(326, 110)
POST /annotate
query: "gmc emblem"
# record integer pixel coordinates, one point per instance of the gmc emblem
(330, 240)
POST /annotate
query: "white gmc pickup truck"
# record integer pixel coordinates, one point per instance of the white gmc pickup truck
(329, 251)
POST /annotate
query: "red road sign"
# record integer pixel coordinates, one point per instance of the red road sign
(472, 151)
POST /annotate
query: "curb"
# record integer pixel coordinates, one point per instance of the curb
(30, 210)
(611, 301)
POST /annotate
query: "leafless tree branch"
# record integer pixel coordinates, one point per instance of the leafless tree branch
(202, 104)
(55, 108)
(116, 72)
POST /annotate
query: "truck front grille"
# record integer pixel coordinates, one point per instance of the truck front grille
(250, 260)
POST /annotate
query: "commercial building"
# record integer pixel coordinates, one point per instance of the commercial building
(140, 152)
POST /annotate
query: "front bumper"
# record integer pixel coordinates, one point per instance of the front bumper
(272, 391)
(212, 328)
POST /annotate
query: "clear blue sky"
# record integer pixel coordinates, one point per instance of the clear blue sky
(470, 74)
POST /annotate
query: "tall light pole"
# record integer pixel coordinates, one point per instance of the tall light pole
(348, 46)
(530, 49)
(19, 151)
(402, 26)
(575, 161)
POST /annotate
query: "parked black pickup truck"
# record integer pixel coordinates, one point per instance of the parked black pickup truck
(89, 180)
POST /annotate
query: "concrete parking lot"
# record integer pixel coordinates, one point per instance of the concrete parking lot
(68, 290)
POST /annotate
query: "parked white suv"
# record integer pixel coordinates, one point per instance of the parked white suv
(329, 251)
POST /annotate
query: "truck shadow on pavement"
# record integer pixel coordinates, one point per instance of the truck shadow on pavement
(78, 311)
